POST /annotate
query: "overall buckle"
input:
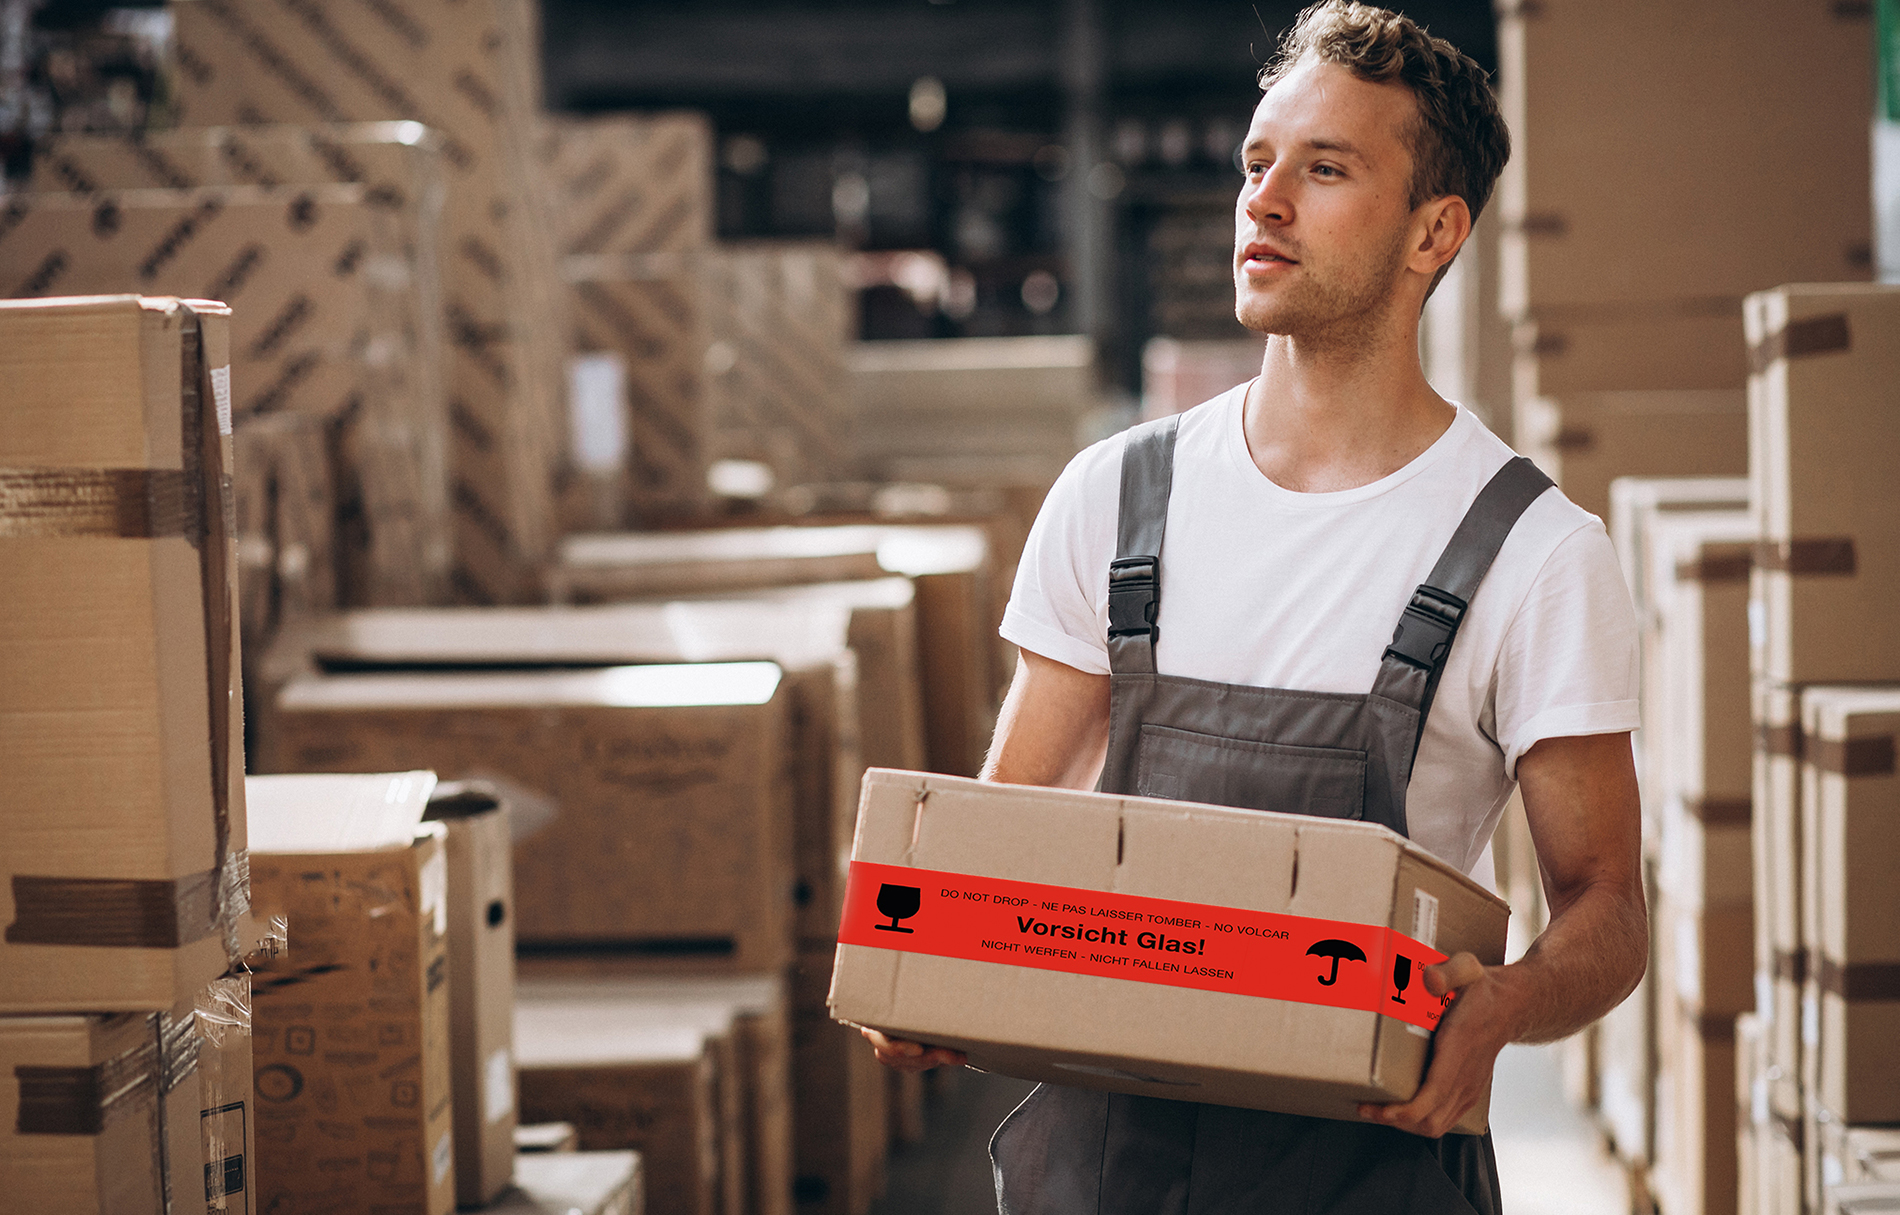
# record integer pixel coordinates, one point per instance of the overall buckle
(1134, 591)
(1426, 628)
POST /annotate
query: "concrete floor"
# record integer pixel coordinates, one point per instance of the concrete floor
(1550, 1160)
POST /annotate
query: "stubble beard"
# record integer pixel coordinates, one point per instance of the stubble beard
(1322, 307)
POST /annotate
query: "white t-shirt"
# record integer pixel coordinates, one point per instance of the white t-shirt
(1264, 586)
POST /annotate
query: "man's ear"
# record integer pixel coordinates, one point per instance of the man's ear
(1443, 226)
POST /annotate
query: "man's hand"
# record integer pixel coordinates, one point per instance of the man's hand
(1464, 1049)
(907, 1056)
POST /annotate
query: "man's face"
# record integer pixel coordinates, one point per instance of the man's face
(1321, 225)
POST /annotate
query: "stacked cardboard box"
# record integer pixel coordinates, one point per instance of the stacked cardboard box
(781, 315)
(631, 199)
(670, 831)
(467, 72)
(974, 411)
(1663, 565)
(352, 1028)
(950, 566)
(1823, 439)
(847, 655)
(339, 310)
(1625, 289)
(576, 1183)
(125, 1075)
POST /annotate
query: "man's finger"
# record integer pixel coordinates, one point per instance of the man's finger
(1459, 970)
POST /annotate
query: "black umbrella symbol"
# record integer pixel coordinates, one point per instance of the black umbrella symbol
(1338, 951)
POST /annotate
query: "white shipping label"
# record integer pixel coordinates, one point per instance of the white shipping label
(498, 1086)
(1425, 918)
(1688, 960)
(1811, 1019)
(1765, 999)
(443, 1158)
(435, 891)
(221, 397)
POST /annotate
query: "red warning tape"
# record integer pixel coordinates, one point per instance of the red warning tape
(1148, 940)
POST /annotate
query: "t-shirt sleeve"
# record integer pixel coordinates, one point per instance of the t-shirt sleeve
(1569, 662)
(1058, 607)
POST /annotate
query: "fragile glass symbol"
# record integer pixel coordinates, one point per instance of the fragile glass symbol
(1401, 976)
(899, 903)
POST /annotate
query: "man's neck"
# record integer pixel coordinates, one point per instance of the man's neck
(1328, 416)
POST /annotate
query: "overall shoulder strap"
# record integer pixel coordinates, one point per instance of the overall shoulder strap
(1134, 576)
(1422, 641)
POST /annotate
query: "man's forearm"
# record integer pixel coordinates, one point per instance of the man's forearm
(1590, 957)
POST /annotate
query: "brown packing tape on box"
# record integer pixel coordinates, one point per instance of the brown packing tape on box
(1822, 427)
(148, 383)
(462, 71)
(330, 320)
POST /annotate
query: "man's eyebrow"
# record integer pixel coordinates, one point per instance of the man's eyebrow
(1323, 144)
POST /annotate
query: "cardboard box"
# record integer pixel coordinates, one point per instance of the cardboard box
(841, 1122)
(333, 291)
(653, 1088)
(672, 833)
(351, 1028)
(950, 565)
(129, 1114)
(1824, 434)
(391, 440)
(286, 524)
(1852, 922)
(536, 1137)
(1751, 1062)
(1859, 1155)
(1781, 958)
(120, 729)
(1188, 895)
(469, 73)
(1679, 346)
(1585, 440)
(781, 316)
(1861, 1199)
(1734, 99)
(481, 985)
(748, 1017)
(1626, 1054)
(1696, 1167)
(576, 1183)
(1013, 407)
(810, 643)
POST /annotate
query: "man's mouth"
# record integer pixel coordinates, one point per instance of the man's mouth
(1263, 256)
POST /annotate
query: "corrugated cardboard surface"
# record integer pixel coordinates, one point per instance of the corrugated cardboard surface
(352, 1031)
(672, 832)
(1696, 1168)
(1851, 920)
(392, 444)
(1241, 1050)
(122, 734)
(1586, 440)
(576, 1183)
(1664, 348)
(332, 287)
(467, 72)
(1780, 957)
(653, 1088)
(1825, 432)
(752, 1046)
(951, 565)
(1735, 99)
(781, 316)
(840, 1115)
(481, 1000)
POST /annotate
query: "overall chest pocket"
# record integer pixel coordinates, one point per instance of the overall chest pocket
(1329, 782)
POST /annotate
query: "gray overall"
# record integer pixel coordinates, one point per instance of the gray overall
(1069, 1151)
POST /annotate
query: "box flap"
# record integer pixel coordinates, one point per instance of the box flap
(325, 813)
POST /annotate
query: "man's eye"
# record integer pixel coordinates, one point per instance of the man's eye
(1326, 170)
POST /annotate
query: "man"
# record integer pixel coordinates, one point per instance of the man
(1206, 610)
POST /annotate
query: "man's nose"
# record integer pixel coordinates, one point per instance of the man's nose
(1267, 200)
